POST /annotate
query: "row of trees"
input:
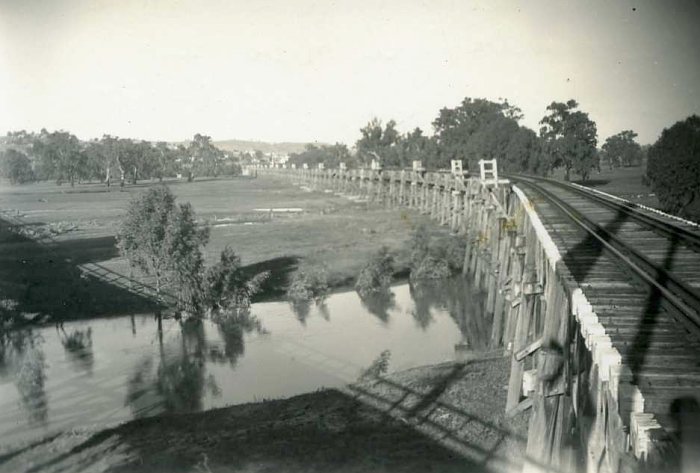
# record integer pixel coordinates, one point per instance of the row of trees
(483, 129)
(475, 129)
(62, 157)
(330, 156)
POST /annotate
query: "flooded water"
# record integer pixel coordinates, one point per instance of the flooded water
(101, 372)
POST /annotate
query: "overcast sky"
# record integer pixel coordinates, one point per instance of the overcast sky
(304, 70)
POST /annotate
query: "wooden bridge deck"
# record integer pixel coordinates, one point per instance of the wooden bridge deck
(662, 354)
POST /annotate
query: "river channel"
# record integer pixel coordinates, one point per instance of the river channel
(100, 372)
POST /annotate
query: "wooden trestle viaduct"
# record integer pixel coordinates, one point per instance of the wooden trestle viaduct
(594, 299)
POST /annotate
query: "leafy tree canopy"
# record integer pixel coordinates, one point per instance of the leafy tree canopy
(162, 240)
(474, 130)
(378, 142)
(622, 149)
(61, 156)
(16, 167)
(674, 168)
(569, 139)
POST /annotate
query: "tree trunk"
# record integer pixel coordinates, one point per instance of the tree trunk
(159, 316)
(122, 175)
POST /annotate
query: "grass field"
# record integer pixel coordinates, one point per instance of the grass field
(78, 226)
(625, 183)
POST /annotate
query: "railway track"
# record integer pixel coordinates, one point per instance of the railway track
(641, 274)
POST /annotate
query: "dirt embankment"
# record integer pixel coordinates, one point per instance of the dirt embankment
(441, 418)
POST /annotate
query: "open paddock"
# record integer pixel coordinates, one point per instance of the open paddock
(77, 226)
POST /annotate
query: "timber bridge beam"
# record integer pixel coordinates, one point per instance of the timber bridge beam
(602, 357)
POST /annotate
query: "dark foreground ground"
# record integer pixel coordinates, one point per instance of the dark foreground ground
(440, 418)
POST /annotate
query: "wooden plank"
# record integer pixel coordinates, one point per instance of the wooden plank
(517, 367)
(522, 406)
(528, 350)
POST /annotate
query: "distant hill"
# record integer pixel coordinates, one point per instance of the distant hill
(243, 145)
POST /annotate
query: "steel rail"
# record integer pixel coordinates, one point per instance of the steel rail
(657, 224)
(677, 296)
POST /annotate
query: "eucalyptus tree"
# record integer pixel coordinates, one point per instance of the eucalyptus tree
(476, 129)
(569, 139)
(162, 240)
(205, 156)
(379, 142)
(523, 153)
(61, 156)
(16, 166)
(622, 149)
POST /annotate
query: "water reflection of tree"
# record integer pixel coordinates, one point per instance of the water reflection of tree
(425, 295)
(379, 304)
(138, 386)
(301, 310)
(233, 326)
(21, 357)
(30, 379)
(323, 310)
(180, 377)
(78, 346)
(180, 381)
(465, 306)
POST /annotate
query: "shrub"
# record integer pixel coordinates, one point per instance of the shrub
(375, 276)
(674, 168)
(420, 245)
(78, 340)
(435, 257)
(451, 249)
(431, 267)
(379, 366)
(308, 283)
(227, 287)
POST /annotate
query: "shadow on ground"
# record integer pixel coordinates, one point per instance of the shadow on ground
(425, 421)
(325, 431)
(45, 280)
(593, 182)
(280, 270)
